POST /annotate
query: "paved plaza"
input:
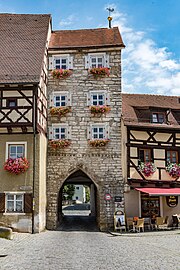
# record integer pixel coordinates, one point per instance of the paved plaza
(68, 250)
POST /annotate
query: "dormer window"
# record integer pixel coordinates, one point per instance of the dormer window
(158, 118)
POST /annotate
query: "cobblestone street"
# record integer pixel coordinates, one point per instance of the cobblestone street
(91, 250)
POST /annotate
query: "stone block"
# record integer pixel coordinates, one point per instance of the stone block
(6, 233)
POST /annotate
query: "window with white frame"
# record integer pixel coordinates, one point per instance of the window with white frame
(60, 99)
(98, 131)
(16, 150)
(14, 203)
(96, 98)
(59, 132)
(96, 60)
(61, 62)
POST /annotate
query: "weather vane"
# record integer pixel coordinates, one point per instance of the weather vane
(109, 17)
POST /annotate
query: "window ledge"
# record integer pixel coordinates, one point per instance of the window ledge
(14, 214)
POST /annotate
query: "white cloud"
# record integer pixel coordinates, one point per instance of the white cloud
(147, 68)
(68, 21)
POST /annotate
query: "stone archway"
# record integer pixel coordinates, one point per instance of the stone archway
(78, 215)
(54, 200)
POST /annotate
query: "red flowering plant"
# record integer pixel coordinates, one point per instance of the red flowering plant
(99, 72)
(61, 73)
(17, 165)
(173, 169)
(98, 142)
(61, 143)
(99, 109)
(60, 111)
(147, 168)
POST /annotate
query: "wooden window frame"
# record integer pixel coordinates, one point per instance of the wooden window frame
(150, 154)
(177, 156)
(8, 100)
(157, 114)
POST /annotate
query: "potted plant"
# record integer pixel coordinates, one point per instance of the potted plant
(61, 73)
(99, 109)
(61, 143)
(98, 142)
(17, 165)
(147, 168)
(99, 72)
(173, 169)
(60, 111)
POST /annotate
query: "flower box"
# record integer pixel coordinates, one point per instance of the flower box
(17, 165)
(61, 73)
(173, 169)
(147, 168)
(99, 72)
(99, 109)
(62, 143)
(59, 111)
(98, 142)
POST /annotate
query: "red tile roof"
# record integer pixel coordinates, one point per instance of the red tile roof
(23, 39)
(137, 110)
(85, 38)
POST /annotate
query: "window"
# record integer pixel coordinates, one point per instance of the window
(60, 99)
(145, 155)
(61, 62)
(98, 98)
(11, 102)
(16, 149)
(172, 156)
(14, 203)
(58, 132)
(96, 60)
(158, 118)
(77, 188)
(98, 131)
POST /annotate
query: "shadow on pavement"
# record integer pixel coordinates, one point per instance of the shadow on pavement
(78, 223)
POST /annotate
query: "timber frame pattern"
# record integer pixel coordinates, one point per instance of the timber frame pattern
(135, 140)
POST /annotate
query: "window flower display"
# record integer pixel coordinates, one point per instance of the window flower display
(99, 72)
(62, 143)
(173, 169)
(17, 165)
(98, 142)
(59, 111)
(147, 168)
(61, 73)
(99, 109)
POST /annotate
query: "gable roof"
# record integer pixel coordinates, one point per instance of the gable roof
(22, 47)
(85, 38)
(137, 110)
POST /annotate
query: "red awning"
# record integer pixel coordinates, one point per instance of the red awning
(160, 191)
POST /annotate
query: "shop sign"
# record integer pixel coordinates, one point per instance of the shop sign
(107, 197)
(118, 199)
(172, 201)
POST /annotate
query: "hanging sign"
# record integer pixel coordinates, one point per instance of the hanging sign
(107, 197)
(118, 199)
(172, 201)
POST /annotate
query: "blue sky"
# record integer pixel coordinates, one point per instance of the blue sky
(150, 30)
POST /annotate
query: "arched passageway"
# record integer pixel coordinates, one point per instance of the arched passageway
(78, 211)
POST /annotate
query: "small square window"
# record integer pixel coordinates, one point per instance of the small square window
(61, 63)
(14, 203)
(98, 133)
(16, 151)
(11, 102)
(59, 133)
(172, 157)
(98, 99)
(145, 155)
(60, 100)
(158, 118)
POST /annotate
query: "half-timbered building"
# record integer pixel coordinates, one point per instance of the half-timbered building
(151, 154)
(23, 119)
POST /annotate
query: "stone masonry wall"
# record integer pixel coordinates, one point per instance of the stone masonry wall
(102, 165)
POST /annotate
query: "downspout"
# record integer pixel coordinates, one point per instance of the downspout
(34, 152)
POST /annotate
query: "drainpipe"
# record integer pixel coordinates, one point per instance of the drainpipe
(34, 151)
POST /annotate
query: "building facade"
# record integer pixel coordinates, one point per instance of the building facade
(84, 119)
(23, 120)
(151, 140)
